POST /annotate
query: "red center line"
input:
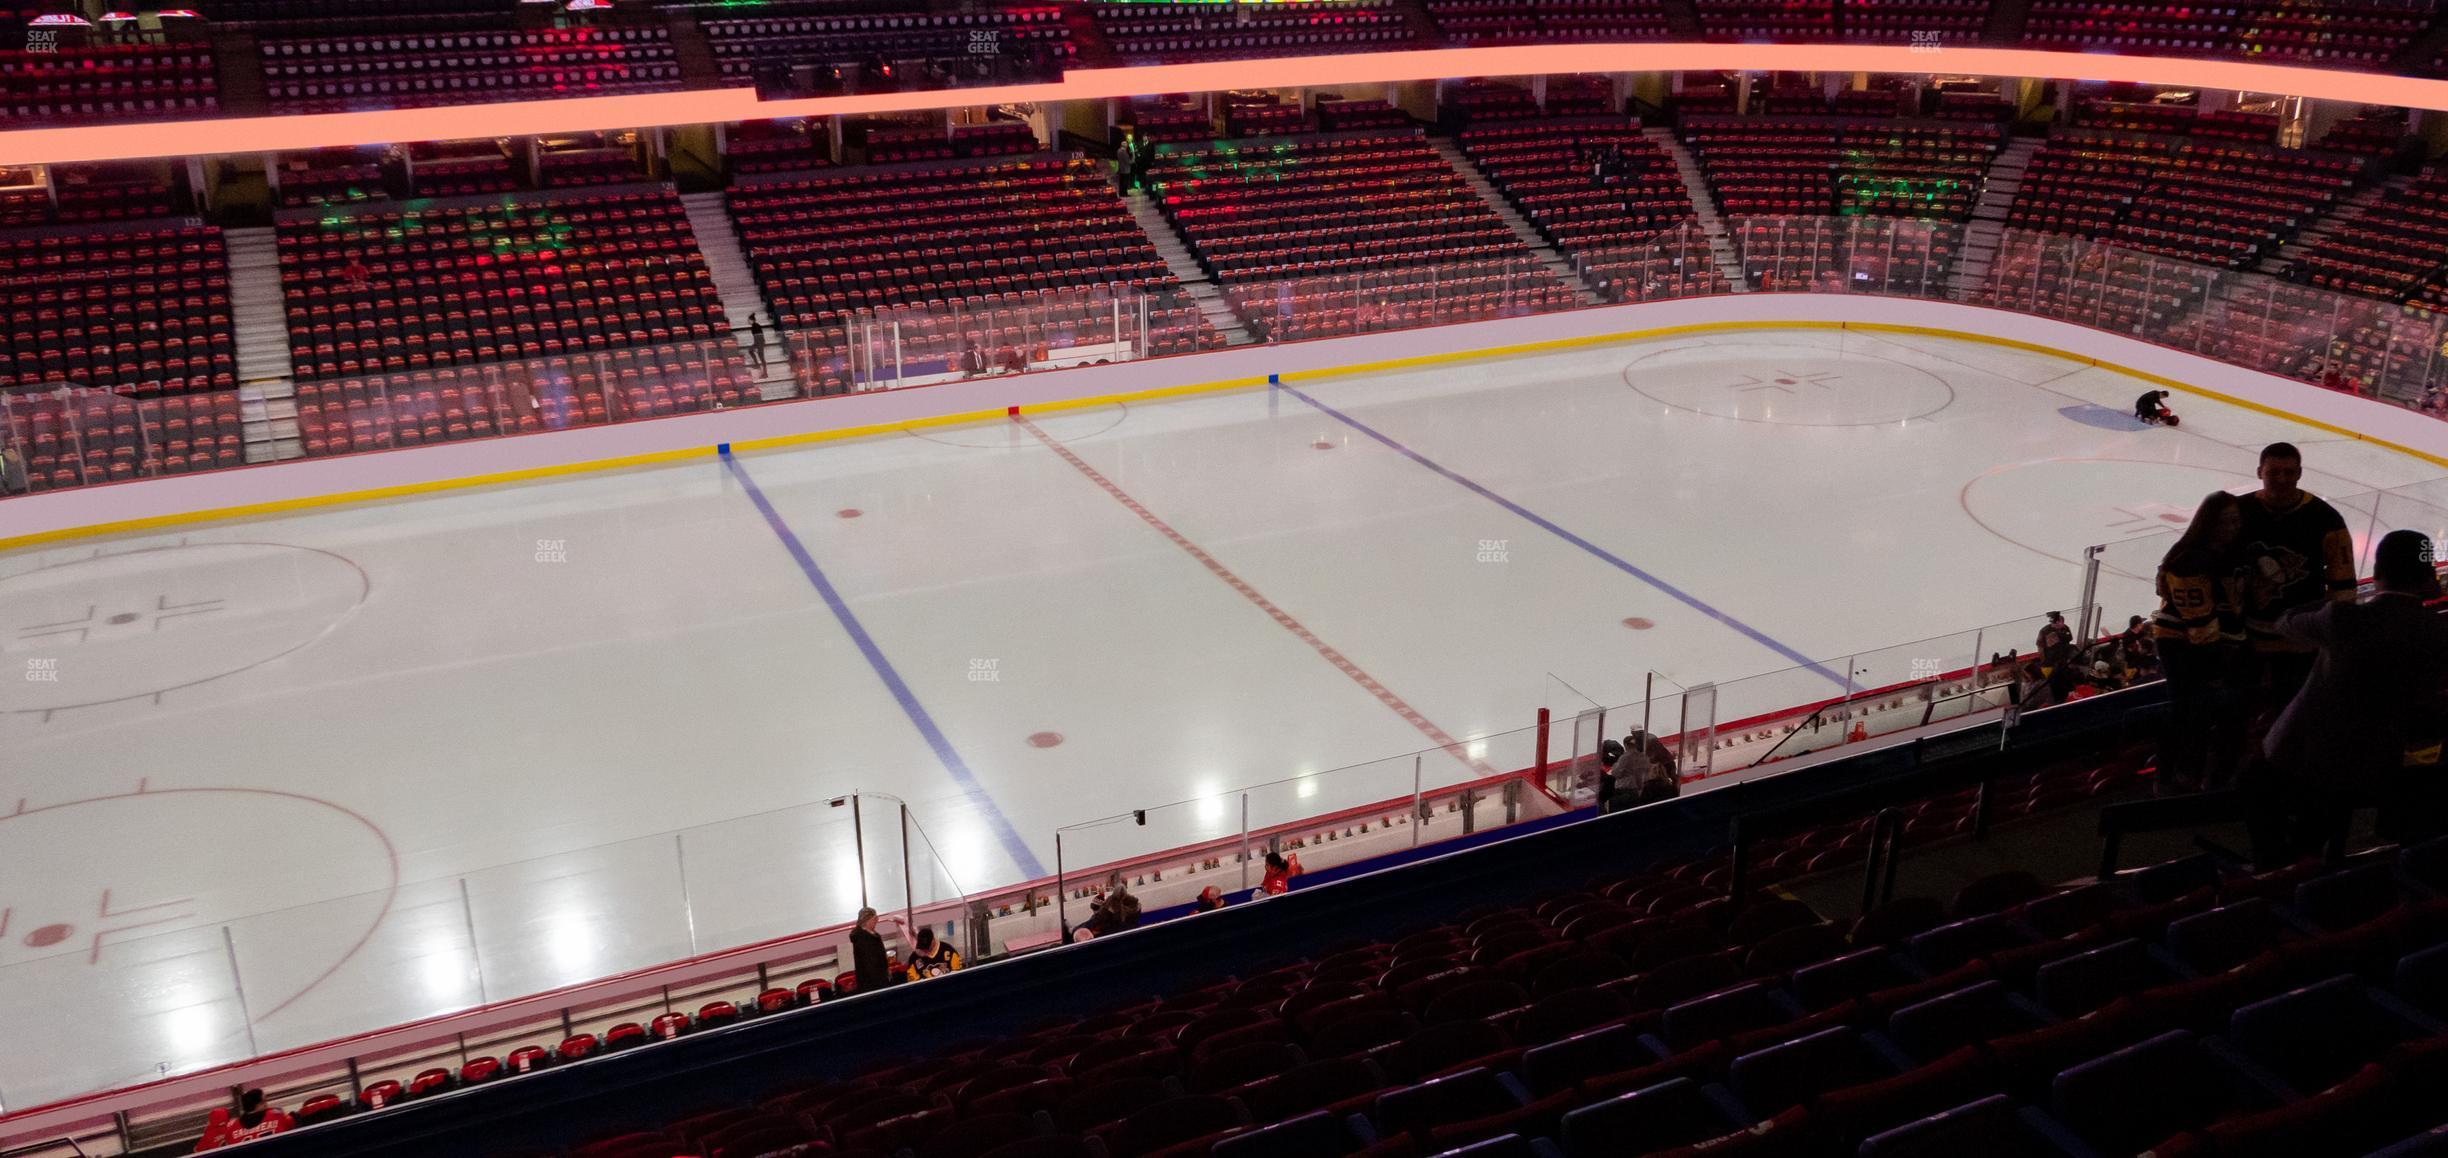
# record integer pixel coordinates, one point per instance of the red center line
(1394, 703)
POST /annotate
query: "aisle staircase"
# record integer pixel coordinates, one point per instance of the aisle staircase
(1546, 252)
(693, 52)
(710, 218)
(1185, 269)
(259, 324)
(238, 75)
(1987, 229)
(2007, 20)
(1704, 207)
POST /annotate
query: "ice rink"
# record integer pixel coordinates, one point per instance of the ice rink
(273, 782)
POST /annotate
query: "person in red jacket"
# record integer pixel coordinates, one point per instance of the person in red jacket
(216, 1131)
(255, 1120)
(1279, 874)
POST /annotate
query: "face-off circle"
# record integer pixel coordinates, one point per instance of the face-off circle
(1788, 385)
(141, 623)
(2058, 507)
(109, 891)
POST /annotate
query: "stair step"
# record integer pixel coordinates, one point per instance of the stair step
(1512, 217)
(710, 219)
(259, 317)
(1182, 263)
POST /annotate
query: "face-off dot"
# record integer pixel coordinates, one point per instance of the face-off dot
(849, 513)
(1637, 623)
(1045, 739)
(48, 936)
(124, 617)
(1323, 444)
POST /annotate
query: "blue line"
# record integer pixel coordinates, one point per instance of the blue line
(1611, 559)
(1010, 837)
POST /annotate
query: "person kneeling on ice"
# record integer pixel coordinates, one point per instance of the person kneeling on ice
(2151, 409)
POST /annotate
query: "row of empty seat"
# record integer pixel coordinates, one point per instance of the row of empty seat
(903, 36)
(431, 285)
(1824, 255)
(1319, 234)
(1483, 21)
(2218, 204)
(451, 404)
(1932, 170)
(70, 438)
(1597, 189)
(139, 311)
(995, 260)
(68, 84)
(2348, 33)
(2394, 247)
(1142, 32)
(451, 65)
(360, 54)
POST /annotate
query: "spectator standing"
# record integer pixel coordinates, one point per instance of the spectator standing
(2198, 629)
(869, 963)
(2373, 695)
(1645, 746)
(1280, 870)
(2297, 552)
(1660, 781)
(1143, 158)
(2137, 653)
(1613, 760)
(2055, 644)
(1126, 153)
(756, 340)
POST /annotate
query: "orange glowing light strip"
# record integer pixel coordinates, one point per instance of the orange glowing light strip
(715, 106)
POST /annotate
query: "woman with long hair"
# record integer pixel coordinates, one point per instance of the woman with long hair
(2198, 626)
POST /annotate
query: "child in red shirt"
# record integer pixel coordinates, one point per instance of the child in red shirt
(1279, 874)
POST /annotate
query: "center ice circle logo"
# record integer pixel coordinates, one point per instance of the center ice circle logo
(1798, 385)
(141, 623)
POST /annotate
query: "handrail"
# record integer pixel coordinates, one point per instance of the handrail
(1879, 867)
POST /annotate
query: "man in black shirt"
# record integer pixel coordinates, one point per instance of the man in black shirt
(2297, 552)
